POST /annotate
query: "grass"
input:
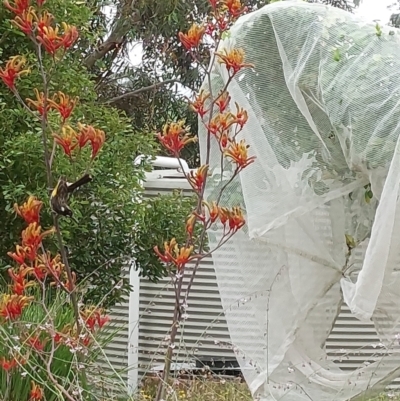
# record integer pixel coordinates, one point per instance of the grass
(199, 390)
(215, 390)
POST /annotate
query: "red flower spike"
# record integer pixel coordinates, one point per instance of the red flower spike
(85, 341)
(8, 364)
(224, 139)
(30, 210)
(30, 253)
(70, 35)
(94, 318)
(40, 272)
(190, 223)
(86, 134)
(19, 279)
(166, 256)
(67, 140)
(234, 7)
(25, 21)
(102, 320)
(18, 6)
(197, 179)
(36, 393)
(45, 20)
(63, 104)
(19, 256)
(237, 152)
(241, 116)
(213, 127)
(50, 39)
(213, 210)
(198, 105)
(13, 70)
(58, 338)
(192, 39)
(38, 104)
(46, 264)
(32, 237)
(225, 120)
(68, 285)
(233, 60)
(223, 215)
(97, 142)
(222, 23)
(179, 256)
(236, 219)
(90, 322)
(222, 101)
(174, 137)
(36, 343)
(220, 123)
(12, 306)
(210, 28)
(182, 256)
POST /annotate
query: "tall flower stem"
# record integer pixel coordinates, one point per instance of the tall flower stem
(218, 123)
(48, 163)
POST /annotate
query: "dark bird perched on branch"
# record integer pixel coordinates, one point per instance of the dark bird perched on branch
(60, 194)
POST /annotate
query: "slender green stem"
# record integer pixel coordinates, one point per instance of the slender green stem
(8, 387)
(64, 257)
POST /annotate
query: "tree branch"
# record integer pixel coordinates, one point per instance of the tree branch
(124, 21)
(136, 92)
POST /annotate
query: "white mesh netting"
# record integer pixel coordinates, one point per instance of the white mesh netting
(324, 115)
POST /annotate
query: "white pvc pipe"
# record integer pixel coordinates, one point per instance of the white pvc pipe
(133, 331)
(164, 161)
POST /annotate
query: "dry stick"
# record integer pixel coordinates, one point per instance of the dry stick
(53, 379)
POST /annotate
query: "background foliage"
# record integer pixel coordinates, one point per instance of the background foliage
(102, 241)
(98, 70)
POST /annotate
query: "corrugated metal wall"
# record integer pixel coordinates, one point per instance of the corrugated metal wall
(350, 344)
(204, 331)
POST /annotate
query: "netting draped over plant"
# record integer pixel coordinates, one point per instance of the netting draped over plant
(321, 198)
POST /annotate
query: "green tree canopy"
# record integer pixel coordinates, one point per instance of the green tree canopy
(100, 243)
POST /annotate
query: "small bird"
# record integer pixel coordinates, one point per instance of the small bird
(60, 194)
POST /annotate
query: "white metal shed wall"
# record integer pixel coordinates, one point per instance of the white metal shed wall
(137, 347)
(205, 329)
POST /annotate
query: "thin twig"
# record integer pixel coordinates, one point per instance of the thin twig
(44, 116)
(136, 92)
(69, 272)
(53, 152)
(53, 379)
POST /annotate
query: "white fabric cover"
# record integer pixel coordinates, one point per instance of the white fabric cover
(324, 122)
